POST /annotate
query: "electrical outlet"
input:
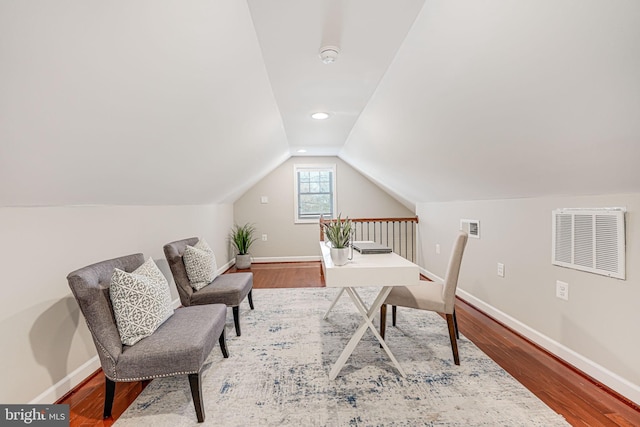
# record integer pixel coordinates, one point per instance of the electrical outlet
(562, 290)
(264, 237)
(500, 269)
(264, 199)
(437, 248)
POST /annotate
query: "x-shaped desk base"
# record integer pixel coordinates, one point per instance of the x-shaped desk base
(367, 315)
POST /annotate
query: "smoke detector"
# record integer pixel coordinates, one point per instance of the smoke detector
(329, 54)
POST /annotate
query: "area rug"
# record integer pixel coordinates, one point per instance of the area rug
(278, 374)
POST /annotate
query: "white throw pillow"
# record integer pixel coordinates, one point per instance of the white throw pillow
(141, 301)
(200, 263)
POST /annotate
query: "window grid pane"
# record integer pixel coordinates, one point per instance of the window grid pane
(315, 195)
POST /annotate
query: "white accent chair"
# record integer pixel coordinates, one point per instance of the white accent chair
(438, 297)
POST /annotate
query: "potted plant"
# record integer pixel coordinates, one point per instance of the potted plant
(242, 238)
(338, 233)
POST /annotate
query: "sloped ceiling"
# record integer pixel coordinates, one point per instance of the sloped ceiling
(133, 102)
(506, 99)
(291, 33)
(174, 102)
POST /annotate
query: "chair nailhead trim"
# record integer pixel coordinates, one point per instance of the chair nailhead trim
(154, 376)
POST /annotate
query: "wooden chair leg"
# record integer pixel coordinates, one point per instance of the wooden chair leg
(250, 297)
(236, 319)
(452, 337)
(455, 322)
(223, 345)
(394, 311)
(109, 394)
(196, 395)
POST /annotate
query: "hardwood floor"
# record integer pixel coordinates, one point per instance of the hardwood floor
(579, 399)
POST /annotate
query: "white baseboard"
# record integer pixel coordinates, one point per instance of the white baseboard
(431, 276)
(74, 378)
(67, 384)
(258, 260)
(80, 374)
(227, 266)
(612, 380)
(600, 373)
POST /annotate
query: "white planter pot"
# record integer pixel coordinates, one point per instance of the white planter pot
(339, 256)
(243, 262)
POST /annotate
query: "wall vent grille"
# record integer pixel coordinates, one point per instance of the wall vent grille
(471, 226)
(590, 240)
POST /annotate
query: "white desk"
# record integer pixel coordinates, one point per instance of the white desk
(386, 270)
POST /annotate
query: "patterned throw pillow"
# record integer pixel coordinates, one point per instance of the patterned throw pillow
(141, 301)
(200, 263)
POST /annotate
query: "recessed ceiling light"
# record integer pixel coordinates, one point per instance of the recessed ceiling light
(320, 116)
(302, 150)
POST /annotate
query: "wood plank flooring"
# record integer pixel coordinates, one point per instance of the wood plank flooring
(579, 399)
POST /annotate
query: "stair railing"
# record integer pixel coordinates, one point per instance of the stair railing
(397, 233)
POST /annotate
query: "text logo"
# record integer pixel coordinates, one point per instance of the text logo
(34, 415)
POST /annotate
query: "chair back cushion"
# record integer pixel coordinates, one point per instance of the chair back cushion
(453, 271)
(90, 287)
(174, 252)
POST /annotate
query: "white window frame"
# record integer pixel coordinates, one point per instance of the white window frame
(312, 167)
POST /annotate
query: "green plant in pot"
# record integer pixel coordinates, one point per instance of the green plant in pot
(338, 233)
(242, 237)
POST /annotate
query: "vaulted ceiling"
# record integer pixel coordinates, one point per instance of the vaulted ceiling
(174, 102)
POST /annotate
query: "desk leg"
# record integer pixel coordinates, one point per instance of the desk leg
(333, 303)
(375, 308)
(366, 323)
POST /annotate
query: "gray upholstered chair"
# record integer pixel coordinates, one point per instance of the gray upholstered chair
(179, 346)
(228, 289)
(438, 297)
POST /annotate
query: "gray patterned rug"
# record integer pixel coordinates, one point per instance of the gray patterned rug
(277, 374)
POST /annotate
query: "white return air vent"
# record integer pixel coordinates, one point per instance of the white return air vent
(590, 240)
(471, 226)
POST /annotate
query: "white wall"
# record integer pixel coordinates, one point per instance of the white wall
(357, 196)
(595, 330)
(47, 348)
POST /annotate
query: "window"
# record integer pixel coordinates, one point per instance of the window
(315, 192)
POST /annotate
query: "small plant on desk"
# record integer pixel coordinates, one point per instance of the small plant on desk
(338, 232)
